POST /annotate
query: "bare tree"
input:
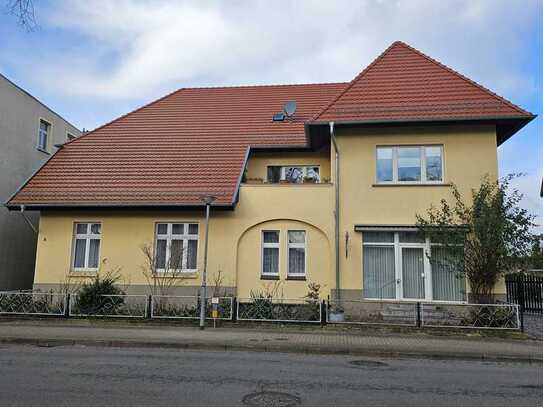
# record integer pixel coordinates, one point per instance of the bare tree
(23, 10)
(162, 281)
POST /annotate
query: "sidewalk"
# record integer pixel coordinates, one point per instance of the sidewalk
(55, 332)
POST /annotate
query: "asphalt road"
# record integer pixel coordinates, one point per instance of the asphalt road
(87, 376)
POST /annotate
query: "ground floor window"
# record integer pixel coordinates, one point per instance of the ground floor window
(406, 265)
(270, 253)
(296, 253)
(176, 247)
(86, 246)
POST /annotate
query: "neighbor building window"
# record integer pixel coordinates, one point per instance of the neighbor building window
(396, 265)
(44, 133)
(176, 247)
(86, 246)
(270, 253)
(293, 174)
(409, 164)
(70, 136)
(296, 253)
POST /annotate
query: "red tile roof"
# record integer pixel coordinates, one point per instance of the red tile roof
(194, 142)
(190, 143)
(404, 84)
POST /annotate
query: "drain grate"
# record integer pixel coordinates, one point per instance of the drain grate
(271, 399)
(367, 363)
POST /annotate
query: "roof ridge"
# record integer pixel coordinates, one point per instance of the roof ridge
(353, 81)
(465, 78)
(272, 85)
(429, 59)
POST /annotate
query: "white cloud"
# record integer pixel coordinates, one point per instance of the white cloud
(139, 46)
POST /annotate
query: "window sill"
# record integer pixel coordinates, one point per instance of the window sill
(177, 276)
(262, 277)
(43, 151)
(414, 184)
(296, 278)
(88, 273)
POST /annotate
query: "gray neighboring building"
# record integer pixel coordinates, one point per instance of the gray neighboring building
(29, 131)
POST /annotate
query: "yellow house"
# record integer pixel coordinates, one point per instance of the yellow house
(310, 183)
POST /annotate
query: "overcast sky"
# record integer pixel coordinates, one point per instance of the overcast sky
(94, 60)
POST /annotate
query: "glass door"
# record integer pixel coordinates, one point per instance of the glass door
(413, 276)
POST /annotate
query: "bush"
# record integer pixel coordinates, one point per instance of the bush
(99, 297)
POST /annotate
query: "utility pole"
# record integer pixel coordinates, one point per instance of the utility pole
(207, 200)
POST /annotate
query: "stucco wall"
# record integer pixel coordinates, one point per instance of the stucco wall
(234, 242)
(19, 122)
(469, 152)
(123, 233)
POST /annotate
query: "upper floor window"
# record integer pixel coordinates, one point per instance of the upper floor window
(295, 174)
(44, 133)
(86, 246)
(409, 164)
(69, 136)
(176, 247)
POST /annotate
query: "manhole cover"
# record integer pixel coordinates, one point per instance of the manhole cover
(367, 363)
(271, 399)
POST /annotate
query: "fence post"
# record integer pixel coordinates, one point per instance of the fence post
(521, 300)
(323, 312)
(419, 319)
(149, 307)
(234, 309)
(67, 306)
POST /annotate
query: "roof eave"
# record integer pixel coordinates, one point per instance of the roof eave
(517, 122)
(101, 206)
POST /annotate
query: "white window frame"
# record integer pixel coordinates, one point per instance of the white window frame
(297, 246)
(185, 237)
(398, 256)
(422, 152)
(268, 245)
(87, 237)
(69, 136)
(48, 135)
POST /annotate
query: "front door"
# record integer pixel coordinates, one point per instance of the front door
(413, 276)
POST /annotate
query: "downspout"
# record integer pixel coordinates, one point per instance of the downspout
(336, 211)
(28, 220)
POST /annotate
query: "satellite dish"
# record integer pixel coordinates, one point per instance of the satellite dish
(290, 108)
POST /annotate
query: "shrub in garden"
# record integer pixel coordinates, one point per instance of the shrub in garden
(99, 296)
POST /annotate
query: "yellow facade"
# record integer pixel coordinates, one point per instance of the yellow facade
(469, 152)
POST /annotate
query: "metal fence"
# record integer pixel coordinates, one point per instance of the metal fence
(368, 312)
(188, 307)
(479, 316)
(121, 306)
(525, 290)
(32, 303)
(278, 310)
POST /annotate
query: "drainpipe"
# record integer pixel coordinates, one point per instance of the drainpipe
(28, 220)
(336, 211)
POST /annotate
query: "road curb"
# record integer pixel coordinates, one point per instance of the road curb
(386, 353)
